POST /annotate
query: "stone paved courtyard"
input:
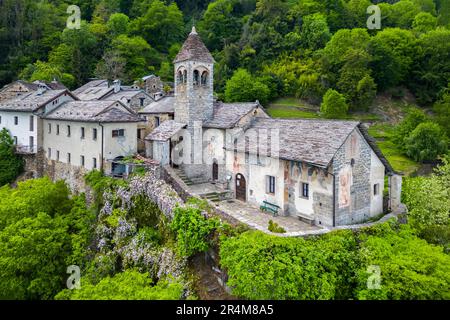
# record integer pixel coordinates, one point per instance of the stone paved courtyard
(252, 216)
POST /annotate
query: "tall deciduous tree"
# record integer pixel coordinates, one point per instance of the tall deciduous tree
(11, 165)
(243, 87)
(333, 105)
(162, 25)
(432, 70)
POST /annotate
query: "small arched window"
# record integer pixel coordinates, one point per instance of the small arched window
(196, 77)
(184, 76)
(180, 77)
(204, 78)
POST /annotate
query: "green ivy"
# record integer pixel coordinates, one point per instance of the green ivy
(193, 230)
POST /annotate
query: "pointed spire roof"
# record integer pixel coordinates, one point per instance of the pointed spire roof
(194, 49)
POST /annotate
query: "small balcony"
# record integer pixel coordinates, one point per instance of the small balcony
(22, 149)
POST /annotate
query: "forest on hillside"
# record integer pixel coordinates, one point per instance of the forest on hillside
(317, 53)
(281, 52)
(287, 47)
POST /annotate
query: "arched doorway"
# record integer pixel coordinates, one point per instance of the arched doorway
(215, 171)
(241, 188)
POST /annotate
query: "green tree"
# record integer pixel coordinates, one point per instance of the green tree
(426, 142)
(220, 25)
(352, 74)
(127, 285)
(393, 51)
(413, 118)
(411, 269)
(138, 55)
(401, 14)
(261, 266)
(442, 110)
(428, 198)
(346, 47)
(11, 165)
(431, 72)
(244, 88)
(31, 197)
(45, 71)
(32, 255)
(118, 24)
(192, 229)
(366, 91)
(356, 13)
(162, 25)
(315, 32)
(424, 22)
(333, 105)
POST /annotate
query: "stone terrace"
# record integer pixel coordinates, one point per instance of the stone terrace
(259, 220)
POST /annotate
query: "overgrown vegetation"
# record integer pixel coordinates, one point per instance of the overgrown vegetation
(335, 266)
(412, 259)
(131, 250)
(275, 227)
(11, 165)
(42, 231)
(428, 201)
(193, 230)
(264, 50)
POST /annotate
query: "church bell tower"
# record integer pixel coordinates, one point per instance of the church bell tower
(193, 81)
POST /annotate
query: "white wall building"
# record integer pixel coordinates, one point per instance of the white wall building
(22, 116)
(90, 134)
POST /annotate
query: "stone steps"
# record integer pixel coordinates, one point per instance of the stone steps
(184, 177)
(216, 196)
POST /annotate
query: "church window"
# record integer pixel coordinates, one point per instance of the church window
(184, 76)
(180, 77)
(376, 189)
(270, 184)
(204, 78)
(305, 190)
(196, 77)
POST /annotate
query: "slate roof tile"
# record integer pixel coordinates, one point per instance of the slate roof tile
(165, 130)
(194, 49)
(93, 111)
(164, 105)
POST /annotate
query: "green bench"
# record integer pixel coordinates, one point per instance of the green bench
(267, 206)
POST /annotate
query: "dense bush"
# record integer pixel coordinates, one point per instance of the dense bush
(193, 230)
(11, 165)
(260, 266)
(426, 142)
(333, 105)
(428, 202)
(336, 266)
(411, 269)
(42, 231)
(127, 285)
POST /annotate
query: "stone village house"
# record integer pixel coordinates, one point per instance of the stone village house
(326, 172)
(62, 136)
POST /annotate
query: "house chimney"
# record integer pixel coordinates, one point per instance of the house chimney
(116, 84)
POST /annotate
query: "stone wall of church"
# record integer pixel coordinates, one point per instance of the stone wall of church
(193, 101)
(352, 169)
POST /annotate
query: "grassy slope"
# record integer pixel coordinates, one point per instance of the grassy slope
(382, 132)
(292, 108)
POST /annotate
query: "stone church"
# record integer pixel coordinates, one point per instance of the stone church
(326, 172)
